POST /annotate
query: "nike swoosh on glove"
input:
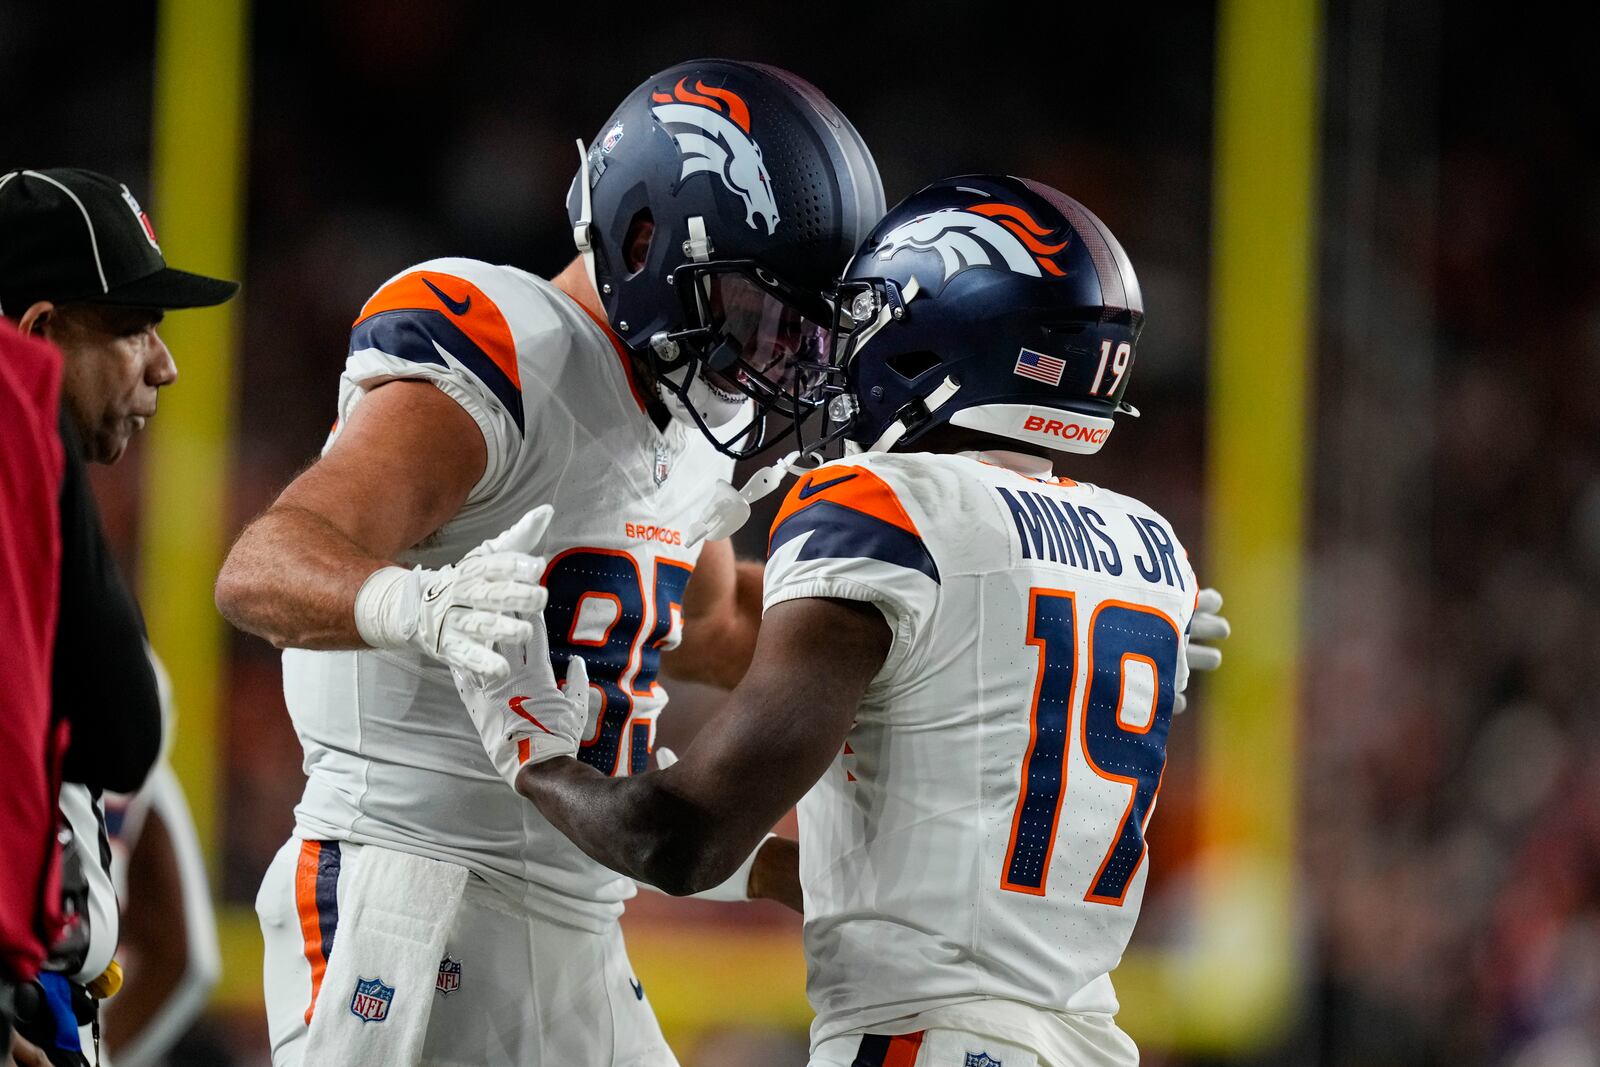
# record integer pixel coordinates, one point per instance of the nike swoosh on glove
(527, 717)
(458, 613)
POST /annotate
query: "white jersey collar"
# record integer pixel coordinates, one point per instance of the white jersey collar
(1020, 462)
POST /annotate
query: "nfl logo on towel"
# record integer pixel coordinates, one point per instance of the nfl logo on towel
(981, 1059)
(449, 976)
(371, 1001)
(1039, 367)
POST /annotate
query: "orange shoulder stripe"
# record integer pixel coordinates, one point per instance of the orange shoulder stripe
(459, 300)
(853, 487)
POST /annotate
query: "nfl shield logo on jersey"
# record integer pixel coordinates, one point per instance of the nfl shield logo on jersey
(663, 463)
(371, 1001)
(981, 1059)
(449, 976)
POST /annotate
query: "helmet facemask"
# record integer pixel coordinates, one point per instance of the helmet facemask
(758, 189)
(865, 306)
(753, 343)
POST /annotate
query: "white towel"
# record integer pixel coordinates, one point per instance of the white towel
(375, 1000)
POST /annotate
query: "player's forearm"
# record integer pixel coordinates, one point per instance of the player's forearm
(292, 578)
(717, 650)
(638, 826)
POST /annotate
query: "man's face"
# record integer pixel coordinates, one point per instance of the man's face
(115, 363)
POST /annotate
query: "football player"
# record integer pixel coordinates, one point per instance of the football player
(712, 213)
(967, 668)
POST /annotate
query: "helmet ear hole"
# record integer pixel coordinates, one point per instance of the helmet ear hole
(636, 245)
(913, 365)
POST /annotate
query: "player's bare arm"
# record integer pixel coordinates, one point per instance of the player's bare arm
(771, 873)
(687, 828)
(400, 469)
(721, 616)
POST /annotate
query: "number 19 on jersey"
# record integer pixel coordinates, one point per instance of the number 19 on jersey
(1120, 724)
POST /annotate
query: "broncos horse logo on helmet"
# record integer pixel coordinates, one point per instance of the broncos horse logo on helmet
(718, 143)
(1029, 334)
(714, 255)
(980, 235)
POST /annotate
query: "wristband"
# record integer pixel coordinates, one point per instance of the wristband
(386, 607)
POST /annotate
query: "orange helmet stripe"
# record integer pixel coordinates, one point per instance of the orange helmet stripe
(738, 111)
(690, 97)
(1033, 243)
(1014, 212)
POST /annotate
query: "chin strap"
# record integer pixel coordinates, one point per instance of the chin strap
(729, 508)
(583, 230)
(931, 403)
(698, 247)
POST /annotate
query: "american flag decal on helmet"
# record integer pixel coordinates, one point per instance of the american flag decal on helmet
(1039, 367)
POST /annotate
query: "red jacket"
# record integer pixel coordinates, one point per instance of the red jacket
(31, 746)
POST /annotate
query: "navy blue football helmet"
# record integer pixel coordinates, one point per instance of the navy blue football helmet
(758, 190)
(988, 302)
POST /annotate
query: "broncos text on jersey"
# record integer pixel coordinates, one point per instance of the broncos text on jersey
(391, 757)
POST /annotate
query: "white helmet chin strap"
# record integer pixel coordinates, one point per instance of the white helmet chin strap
(729, 508)
(933, 402)
(582, 230)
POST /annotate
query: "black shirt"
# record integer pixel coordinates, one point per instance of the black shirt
(102, 681)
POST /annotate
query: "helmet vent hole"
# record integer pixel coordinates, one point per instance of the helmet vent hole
(636, 246)
(913, 365)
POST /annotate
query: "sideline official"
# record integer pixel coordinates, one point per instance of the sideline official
(80, 267)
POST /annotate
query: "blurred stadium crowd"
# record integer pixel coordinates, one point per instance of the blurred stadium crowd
(1450, 755)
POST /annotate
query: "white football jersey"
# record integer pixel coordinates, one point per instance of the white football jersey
(981, 835)
(391, 755)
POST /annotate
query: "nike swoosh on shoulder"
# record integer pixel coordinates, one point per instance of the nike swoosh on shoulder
(811, 489)
(638, 989)
(458, 307)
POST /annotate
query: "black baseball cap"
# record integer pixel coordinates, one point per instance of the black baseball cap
(68, 234)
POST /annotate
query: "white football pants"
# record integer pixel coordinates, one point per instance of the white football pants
(514, 989)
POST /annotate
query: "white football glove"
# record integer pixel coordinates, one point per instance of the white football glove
(528, 717)
(1207, 625)
(458, 613)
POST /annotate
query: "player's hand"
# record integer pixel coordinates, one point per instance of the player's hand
(460, 612)
(25, 1054)
(527, 717)
(1207, 625)
(775, 874)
